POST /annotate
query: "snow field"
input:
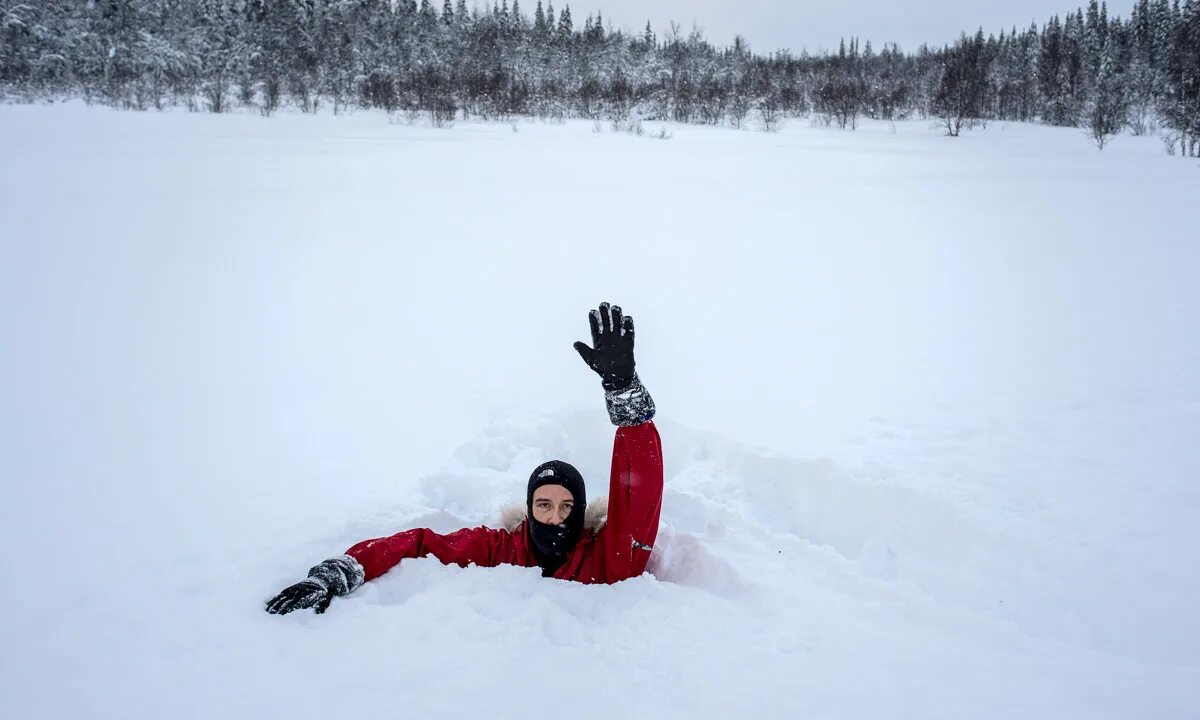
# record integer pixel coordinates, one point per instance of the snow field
(928, 409)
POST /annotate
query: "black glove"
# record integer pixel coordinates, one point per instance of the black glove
(331, 578)
(612, 354)
(304, 594)
(628, 401)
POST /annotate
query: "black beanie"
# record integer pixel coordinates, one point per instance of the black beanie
(553, 543)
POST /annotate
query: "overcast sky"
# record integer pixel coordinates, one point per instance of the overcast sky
(773, 24)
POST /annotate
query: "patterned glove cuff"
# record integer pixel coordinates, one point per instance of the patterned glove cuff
(341, 575)
(631, 405)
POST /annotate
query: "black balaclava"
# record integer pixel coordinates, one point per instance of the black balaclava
(553, 543)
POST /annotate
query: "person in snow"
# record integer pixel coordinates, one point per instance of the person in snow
(556, 530)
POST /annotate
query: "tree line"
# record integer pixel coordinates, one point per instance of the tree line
(1087, 69)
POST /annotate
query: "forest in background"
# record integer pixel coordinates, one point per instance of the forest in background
(1088, 69)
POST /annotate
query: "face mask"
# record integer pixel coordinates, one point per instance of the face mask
(552, 544)
(552, 540)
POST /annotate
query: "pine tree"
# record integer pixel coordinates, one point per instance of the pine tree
(16, 44)
(565, 27)
(1093, 37)
(1050, 74)
(1164, 30)
(1108, 106)
(593, 30)
(961, 95)
(1179, 103)
(1074, 68)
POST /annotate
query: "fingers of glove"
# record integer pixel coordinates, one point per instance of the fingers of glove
(594, 323)
(283, 608)
(305, 599)
(273, 604)
(617, 319)
(283, 598)
(322, 603)
(627, 328)
(295, 600)
(293, 597)
(605, 319)
(281, 603)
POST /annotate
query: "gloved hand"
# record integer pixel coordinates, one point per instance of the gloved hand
(337, 576)
(611, 356)
(304, 594)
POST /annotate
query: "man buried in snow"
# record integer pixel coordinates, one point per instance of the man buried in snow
(557, 531)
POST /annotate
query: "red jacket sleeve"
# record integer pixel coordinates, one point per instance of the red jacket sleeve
(634, 502)
(481, 546)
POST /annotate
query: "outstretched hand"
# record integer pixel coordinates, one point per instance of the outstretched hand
(304, 594)
(333, 577)
(611, 354)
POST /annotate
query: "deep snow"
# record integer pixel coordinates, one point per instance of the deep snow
(929, 408)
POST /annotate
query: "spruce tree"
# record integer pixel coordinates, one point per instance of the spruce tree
(1179, 103)
(565, 27)
(381, 53)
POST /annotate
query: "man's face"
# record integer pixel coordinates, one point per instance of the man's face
(552, 504)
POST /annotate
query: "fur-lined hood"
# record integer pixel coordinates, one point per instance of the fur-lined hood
(594, 517)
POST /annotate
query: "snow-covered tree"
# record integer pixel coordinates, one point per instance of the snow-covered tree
(1084, 68)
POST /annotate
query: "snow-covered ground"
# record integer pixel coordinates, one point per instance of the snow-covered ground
(930, 409)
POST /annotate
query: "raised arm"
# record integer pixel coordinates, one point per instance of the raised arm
(635, 492)
(636, 477)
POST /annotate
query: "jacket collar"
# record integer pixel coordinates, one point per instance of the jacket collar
(594, 517)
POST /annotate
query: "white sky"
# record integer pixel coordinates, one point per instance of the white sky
(774, 24)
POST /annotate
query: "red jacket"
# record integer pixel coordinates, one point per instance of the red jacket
(617, 551)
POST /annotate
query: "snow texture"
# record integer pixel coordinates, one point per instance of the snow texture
(929, 411)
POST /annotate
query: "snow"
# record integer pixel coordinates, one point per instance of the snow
(929, 411)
